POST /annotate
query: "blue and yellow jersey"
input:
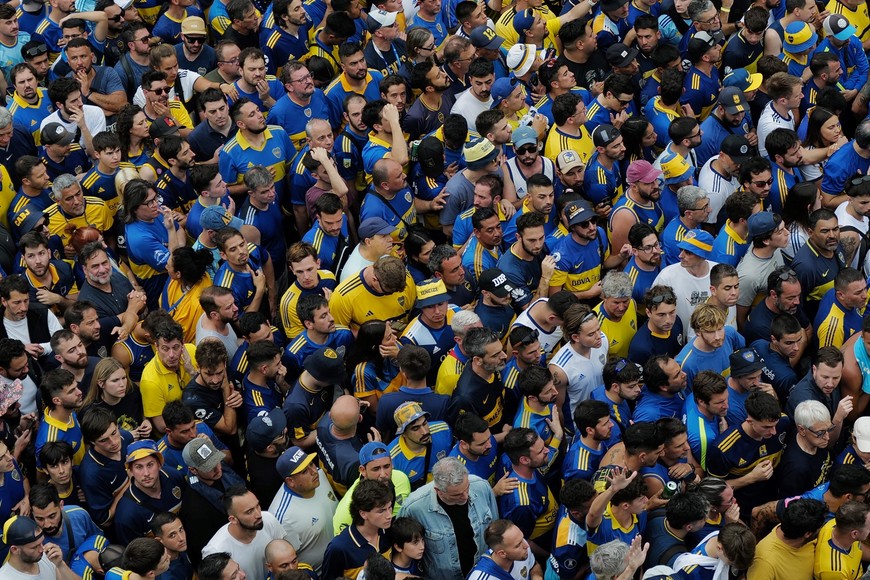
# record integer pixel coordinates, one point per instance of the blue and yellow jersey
(12, 489)
(437, 27)
(135, 509)
(179, 114)
(287, 308)
(23, 207)
(449, 371)
(835, 323)
(139, 159)
(620, 414)
(578, 266)
(729, 247)
(327, 246)
(50, 33)
(413, 464)
(279, 46)
(847, 457)
(610, 529)
(63, 281)
(347, 553)
(505, 25)
(816, 272)
(241, 284)
(797, 64)
(673, 235)
(833, 562)
(477, 258)
(141, 354)
(258, 398)
(50, 429)
(569, 546)
(276, 91)
(148, 253)
(238, 155)
(298, 350)
(582, 461)
(618, 332)
(339, 89)
(304, 408)
(399, 211)
(183, 304)
(701, 91)
(734, 453)
(31, 116)
(558, 141)
(537, 421)
(702, 431)
(102, 186)
(7, 192)
(602, 184)
(118, 573)
(738, 54)
(694, 360)
(169, 29)
(484, 467)
(354, 302)
(218, 18)
(642, 280)
(270, 223)
(330, 53)
(859, 17)
(661, 117)
(96, 214)
(79, 565)
(436, 341)
(149, 10)
(651, 214)
(783, 181)
(531, 506)
(293, 117)
(173, 457)
(367, 380)
(178, 194)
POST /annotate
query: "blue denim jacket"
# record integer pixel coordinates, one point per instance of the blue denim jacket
(441, 559)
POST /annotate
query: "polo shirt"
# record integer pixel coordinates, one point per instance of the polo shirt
(293, 117)
(136, 509)
(96, 214)
(347, 553)
(29, 115)
(205, 141)
(646, 343)
(51, 429)
(339, 89)
(101, 477)
(304, 407)
(62, 280)
(160, 385)
(354, 302)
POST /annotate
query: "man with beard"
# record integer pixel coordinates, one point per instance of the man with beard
(237, 273)
(134, 61)
(208, 138)
(526, 262)
(301, 103)
(70, 352)
(480, 389)
(663, 331)
(478, 97)
(731, 244)
(445, 263)
(646, 260)
(253, 84)
(433, 105)
(255, 144)
(288, 40)
(822, 384)
(27, 555)
(782, 351)
(166, 374)
(527, 161)
(638, 205)
(100, 85)
(82, 319)
(262, 211)
(210, 395)
(570, 133)
(264, 384)
(33, 327)
(30, 102)
(431, 329)
(537, 410)
(158, 105)
(702, 79)
(785, 153)
(219, 311)
(33, 197)
(819, 261)
(354, 78)
(730, 116)
(538, 199)
(209, 478)
(619, 387)
(419, 443)
(152, 490)
(174, 184)
(718, 177)
(109, 290)
(51, 281)
(602, 180)
(193, 51)
(706, 409)
(72, 114)
(62, 396)
(839, 315)
(248, 532)
(169, 531)
(65, 526)
(329, 234)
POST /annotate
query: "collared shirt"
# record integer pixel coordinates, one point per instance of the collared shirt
(51, 429)
(238, 155)
(160, 385)
(136, 508)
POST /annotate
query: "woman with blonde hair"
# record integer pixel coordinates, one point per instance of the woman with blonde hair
(112, 389)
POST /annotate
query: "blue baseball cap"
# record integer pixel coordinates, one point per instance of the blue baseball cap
(371, 451)
(698, 242)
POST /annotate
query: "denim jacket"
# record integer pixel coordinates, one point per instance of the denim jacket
(441, 559)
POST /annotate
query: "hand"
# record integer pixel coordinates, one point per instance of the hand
(77, 117)
(762, 472)
(555, 424)
(732, 514)
(505, 485)
(233, 399)
(48, 298)
(259, 278)
(22, 508)
(850, 94)
(765, 387)
(282, 373)
(34, 350)
(636, 553)
(168, 218)
(844, 407)
(723, 424)
(594, 291)
(263, 90)
(618, 478)
(451, 170)
(144, 429)
(596, 88)
(752, 137)
(230, 91)
(54, 554)
(320, 154)
(680, 470)
(539, 124)
(69, 252)
(548, 266)
(603, 209)
(389, 350)
(687, 110)
(625, 251)
(82, 77)
(161, 109)
(327, 293)
(374, 435)
(440, 201)
(390, 114)
(120, 332)
(618, 119)
(21, 444)
(507, 208)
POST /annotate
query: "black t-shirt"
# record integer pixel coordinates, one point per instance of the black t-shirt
(263, 478)
(592, 71)
(798, 472)
(465, 541)
(128, 411)
(207, 404)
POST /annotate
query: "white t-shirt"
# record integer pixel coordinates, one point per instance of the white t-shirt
(690, 291)
(355, 263)
(549, 340)
(230, 339)
(187, 78)
(95, 120)
(251, 557)
(769, 121)
(470, 107)
(18, 330)
(47, 571)
(584, 374)
(718, 188)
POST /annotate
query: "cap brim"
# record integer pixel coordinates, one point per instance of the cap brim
(494, 44)
(303, 464)
(694, 249)
(846, 34)
(432, 300)
(679, 178)
(863, 445)
(755, 81)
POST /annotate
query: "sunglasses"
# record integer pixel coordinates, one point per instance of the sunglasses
(161, 91)
(859, 180)
(787, 275)
(35, 51)
(527, 149)
(530, 338)
(195, 39)
(763, 183)
(662, 298)
(823, 432)
(620, 366)
(586, 223)
(117, 18)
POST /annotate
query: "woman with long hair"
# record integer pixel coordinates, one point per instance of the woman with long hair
(418, 247)
(372, 362)
(188, 277)
(823, 132)
(112, 389)
(420, 44)
(799, 204)
(639, 136)
(132, 127)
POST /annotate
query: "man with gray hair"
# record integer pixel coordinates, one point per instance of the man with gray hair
(73, 208)
(616, 560)
(617, 312)
(806, 461)
(262, 211)
(704, 17)
(694, 206)
(454, 363)
(455, 509)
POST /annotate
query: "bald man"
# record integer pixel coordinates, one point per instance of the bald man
(281, 556)
(338, 443)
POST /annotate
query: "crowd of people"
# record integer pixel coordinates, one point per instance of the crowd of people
(442, 289)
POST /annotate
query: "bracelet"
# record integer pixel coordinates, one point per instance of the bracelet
(726, 10)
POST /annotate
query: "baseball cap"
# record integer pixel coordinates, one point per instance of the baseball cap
(325, 365)
(761, 224)
(611, 5)
(479, 153)
(407, 413)
(744, 81)
(495, 281)
(431, 292)
(9, 395)
(215, 217)
(430, 156)
(737, 147)
(523, 20)
(55, 134)
(293, 461)
(642, 171)
(502, 89)
(568, 160)
(374, 226)
(265, 428)
(201, 454)
(20, 531)
(700, 44)
(675, 168)
(524, 135)
(379, 18)
(485, 37)
(698, 242)
(371, 451)
(619, 55)
(578, 211)
(732, 99)
(521, 57)
(745, 361)
(142, 449)
(604, 135)
(861, 431)
(193, 26)
(162, 127)
(798, 37)
(839, 27)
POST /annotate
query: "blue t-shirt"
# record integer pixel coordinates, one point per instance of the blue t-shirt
(653, 406)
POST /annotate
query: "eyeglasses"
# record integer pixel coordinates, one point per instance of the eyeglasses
(650, 248)
(430, 47)
(530, 338)
(155, 201)
(145, 39)
(160, 91)
(709, 21)
(35, 51)
(763, 183)
(307, 77)
(823, 432)
(527, 149)
(195, 39)
(705, 207)
(695, 135)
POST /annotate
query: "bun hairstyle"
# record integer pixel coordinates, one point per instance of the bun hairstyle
(80, 237)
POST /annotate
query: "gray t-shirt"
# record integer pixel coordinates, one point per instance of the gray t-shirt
(47, 571)
(753, 272)
(230, 339)
(461, 197)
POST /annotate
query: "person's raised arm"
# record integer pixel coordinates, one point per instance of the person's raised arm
(618, 481)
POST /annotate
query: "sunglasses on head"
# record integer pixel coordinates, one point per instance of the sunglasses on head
(530, 338)
(35, 51)
(787, 275)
